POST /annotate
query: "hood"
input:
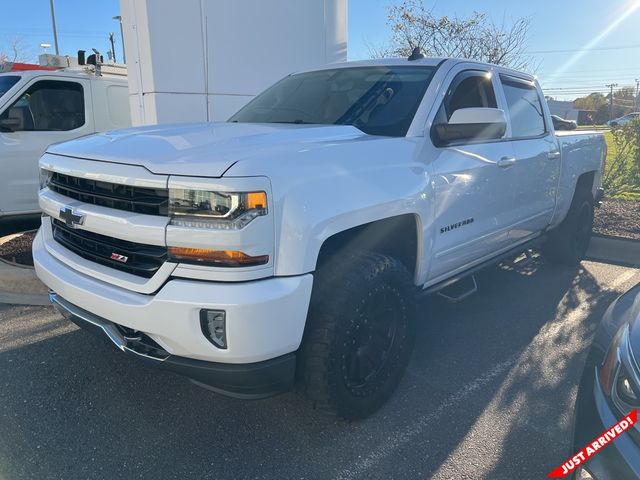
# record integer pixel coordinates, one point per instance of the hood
(204, 149)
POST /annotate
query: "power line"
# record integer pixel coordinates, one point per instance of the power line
(573, 50)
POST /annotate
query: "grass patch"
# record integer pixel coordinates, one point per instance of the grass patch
(621, 178)
(612, 149)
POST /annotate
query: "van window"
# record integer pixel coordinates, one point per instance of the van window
(48, 105)
(6, 82)
(525, 108)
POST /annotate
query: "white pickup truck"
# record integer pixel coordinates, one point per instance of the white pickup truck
(40, 107)
(287, 245)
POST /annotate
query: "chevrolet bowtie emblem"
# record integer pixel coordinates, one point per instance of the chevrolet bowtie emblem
(71, 218)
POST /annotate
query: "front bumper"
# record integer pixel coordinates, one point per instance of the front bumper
(264, 318)
(247, 381)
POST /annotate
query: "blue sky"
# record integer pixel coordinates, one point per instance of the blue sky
(559, 30)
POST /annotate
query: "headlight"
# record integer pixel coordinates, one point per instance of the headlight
(215, 210)
(618, 376)
(624, 390)
(607, 370)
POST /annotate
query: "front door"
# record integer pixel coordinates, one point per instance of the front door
(48, 111)
(471, 183)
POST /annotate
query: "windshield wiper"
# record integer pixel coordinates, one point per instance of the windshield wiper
(296, 122)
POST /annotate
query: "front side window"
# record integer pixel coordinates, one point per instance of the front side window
(379, 100)
(48, 105)
(525, 108)
(470, 89)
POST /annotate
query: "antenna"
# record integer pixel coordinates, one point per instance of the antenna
(416, 54)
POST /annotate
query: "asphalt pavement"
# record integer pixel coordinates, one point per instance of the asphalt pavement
(489, 395)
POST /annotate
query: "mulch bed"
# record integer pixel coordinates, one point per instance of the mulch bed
(618, 218)
(18, 250)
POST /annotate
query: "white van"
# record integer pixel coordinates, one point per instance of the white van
(42, 107)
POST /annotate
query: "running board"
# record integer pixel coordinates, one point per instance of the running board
(509, 255)
(456, 292)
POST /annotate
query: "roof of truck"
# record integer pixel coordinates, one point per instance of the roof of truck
(68, 73)
(428, 61)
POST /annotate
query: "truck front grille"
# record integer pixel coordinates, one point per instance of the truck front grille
(148, 201)
(130, 257)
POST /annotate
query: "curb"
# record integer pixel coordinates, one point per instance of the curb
(616, 250)
(20, 286)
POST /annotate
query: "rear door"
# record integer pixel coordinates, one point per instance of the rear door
(473, 201)
(48, 110)
(537, 169)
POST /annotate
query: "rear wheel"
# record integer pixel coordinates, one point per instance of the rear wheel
(569, 242)
(359, 335)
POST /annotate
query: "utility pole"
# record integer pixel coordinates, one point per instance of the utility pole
(637, 94)
(124, 55)
(113, 47)
(611, 86)
(55, 31)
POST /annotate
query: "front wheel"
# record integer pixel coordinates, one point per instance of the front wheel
(568, 244)
(359, 335)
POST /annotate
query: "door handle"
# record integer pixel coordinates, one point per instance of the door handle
(506, 162)
(553, 154)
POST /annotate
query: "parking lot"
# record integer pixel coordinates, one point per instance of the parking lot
(489, 394)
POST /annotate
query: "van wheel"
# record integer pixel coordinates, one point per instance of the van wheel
(359, 334)
(569, 242)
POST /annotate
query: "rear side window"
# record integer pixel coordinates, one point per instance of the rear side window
(525, 108)
(48, 105)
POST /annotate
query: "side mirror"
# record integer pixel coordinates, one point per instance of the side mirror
(472, 124)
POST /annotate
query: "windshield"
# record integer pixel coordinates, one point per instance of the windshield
(379, 100)
(6, 82)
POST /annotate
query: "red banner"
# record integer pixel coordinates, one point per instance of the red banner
(594, 447)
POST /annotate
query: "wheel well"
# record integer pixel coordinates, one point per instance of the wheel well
(396, 237)
(585, 183)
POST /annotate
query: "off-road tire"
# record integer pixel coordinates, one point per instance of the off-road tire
(569, 242)
(361, 315)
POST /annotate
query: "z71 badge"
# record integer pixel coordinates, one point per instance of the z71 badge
(119, 258)
(453, 226)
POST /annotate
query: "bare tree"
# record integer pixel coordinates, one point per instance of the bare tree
(16, 51)
(475, 37)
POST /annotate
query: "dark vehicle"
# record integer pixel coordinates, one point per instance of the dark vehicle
(560, 123)
(609, 390)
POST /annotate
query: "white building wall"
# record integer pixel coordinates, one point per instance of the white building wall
(201, 60)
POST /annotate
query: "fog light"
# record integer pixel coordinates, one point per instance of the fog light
(583, 474)
(213, 323)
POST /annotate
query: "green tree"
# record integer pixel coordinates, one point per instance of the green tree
(593, 101)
